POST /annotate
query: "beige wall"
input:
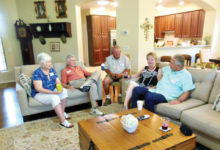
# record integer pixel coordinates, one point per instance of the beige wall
(71, 47)
(130, 15)
(8, 16)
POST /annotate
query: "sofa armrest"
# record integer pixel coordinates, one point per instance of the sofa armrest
(22, 99)
(124, 86)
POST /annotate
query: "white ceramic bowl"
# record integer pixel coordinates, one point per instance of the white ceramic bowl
(129, 123)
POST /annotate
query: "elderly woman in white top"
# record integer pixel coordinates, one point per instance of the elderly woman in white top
(43, 89)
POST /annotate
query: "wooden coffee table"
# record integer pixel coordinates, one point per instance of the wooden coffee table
(107, 133)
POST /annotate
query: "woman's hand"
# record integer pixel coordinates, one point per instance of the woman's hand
(56, 92)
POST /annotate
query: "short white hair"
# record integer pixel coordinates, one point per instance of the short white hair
(68, 57)
(43, 58)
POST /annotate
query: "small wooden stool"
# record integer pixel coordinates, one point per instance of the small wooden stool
(114, 91)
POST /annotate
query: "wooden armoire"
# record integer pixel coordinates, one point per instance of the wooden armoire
(98, 28)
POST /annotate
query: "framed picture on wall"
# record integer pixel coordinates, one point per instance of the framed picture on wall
(61, 9)
(54, 46)
(40, 9)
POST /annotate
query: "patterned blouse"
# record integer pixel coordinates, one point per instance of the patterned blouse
(148, 78)
(48, 81)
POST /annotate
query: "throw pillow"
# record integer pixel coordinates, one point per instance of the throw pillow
(216, 105)
(25, 82)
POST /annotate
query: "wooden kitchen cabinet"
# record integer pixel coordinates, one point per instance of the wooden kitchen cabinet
(170, 19)
(186, 24)
(157, 28)
(98, 28)
(194, 23)
(201, 23)
(178, 25)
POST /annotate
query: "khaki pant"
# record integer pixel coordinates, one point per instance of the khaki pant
(95, 83)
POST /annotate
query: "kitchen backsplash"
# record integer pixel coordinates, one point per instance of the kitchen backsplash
(170, 40)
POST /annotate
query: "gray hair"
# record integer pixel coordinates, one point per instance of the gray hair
(115, 47)
(68, 57)
(43, 58)
(179, 60)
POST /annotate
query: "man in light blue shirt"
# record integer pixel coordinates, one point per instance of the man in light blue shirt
(174, 86)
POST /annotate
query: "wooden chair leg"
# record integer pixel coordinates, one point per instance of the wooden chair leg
(103, 96)
(111, 92)
(117, 91)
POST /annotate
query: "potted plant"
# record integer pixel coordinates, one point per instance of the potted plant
(214, 66)
(203, 65)
(207, 39)
(195, 65)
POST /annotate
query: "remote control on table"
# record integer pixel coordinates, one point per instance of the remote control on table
(143, 117)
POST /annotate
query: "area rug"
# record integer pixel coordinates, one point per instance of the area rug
(47, 134)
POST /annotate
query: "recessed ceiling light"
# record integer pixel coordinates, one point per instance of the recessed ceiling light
(114, 4)
(102, 2)
(160, 1)
(159, 7)
(181, 2)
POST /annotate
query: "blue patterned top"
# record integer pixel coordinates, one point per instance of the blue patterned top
(48, 81)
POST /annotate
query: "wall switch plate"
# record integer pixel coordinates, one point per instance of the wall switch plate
(125, 32)
(126, 47)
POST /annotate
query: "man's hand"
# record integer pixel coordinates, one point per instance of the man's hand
(173, 102)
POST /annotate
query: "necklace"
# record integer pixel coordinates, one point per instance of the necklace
(151, 69)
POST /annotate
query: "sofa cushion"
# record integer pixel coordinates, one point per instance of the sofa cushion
(174, 111)
(203, 80)
(71, 95)
(33, 102)
(216, 105)
(29, 69)
(215, 89)
(75, 94)
(203, 119)
(25, 82)
(60, 66)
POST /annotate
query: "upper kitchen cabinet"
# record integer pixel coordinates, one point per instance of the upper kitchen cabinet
(186, 24)
(169, 22)
(157, 28)
(201, 23)
(178, 25)
(194, 23)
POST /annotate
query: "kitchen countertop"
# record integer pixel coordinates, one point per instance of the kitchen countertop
(182, 47)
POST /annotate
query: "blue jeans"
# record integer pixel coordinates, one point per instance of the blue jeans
(150, 98)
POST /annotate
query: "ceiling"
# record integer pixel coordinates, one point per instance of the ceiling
(166, 3)
(93, 4)
(172, 3)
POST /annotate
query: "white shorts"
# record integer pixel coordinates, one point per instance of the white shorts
(53, 99)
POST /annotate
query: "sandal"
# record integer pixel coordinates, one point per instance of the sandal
(66, 116)
(66, 124)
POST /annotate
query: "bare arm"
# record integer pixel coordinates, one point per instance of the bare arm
(159, 75)
(182, 98)
(38, 86)
(111, 74)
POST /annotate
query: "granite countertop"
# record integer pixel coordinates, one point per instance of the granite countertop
(182, 47)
